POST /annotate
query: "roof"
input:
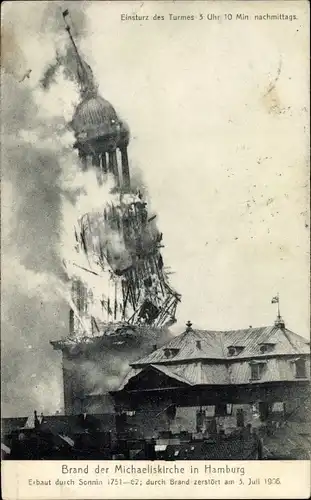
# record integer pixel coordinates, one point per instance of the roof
(216, 373)
(202, 357)
(210, 344)
(138, 335)
(95, 117)
(10, 424)
(289, 441)
(228, 448)
(187, 373)
(67, 425)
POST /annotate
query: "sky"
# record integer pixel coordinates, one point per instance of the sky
(218, 113)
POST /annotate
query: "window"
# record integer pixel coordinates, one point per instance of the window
(235, 350)
(221, 410)
(264, 410)
(255, 409)
(266, 347)
(278, 407)
(256, 370)
(300, 368)
(210, 411)
(229, 408)
(170, 352)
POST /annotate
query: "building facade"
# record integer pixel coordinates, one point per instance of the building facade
(243, 374)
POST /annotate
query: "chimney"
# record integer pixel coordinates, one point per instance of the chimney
(36, 420)
(71, 322)
(154, 347)
(198, 344)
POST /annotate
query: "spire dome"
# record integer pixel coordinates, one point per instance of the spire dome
(96, 122)
(95, 117)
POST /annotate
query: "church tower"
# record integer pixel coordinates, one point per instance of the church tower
(121, 300)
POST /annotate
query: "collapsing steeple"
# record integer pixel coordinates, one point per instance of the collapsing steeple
(121, 243)
(101, 137)
(85, 77)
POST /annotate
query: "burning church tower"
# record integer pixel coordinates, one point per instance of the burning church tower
(131, 305)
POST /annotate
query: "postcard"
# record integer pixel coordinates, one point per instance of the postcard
(155, 250)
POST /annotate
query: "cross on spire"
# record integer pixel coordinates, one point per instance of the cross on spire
(84, 72)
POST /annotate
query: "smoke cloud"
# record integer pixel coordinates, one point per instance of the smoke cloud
(44, 195)
(35, 142)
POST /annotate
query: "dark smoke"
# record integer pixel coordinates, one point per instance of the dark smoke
(31, 241)
(65, 59)
(32, 150)
(65, 63)
(50, 74)
(32, 154)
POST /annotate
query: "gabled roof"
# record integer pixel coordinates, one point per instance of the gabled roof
(210, 344)
(212, 373)
(166, 370)
(187, 346)
(196, 373)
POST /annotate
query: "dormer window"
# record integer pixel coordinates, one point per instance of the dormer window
(170, 352)
(300, 368)
(266, 347)
(235, 350)
(257, 368)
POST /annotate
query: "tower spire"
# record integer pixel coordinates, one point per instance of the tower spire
(279, 320)
(84, 72)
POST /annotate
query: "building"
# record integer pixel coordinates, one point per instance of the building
(121, 301)
(236, 375)
(94, 366)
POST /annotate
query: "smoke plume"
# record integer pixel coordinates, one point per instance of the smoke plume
(44, 195)
(35, 141)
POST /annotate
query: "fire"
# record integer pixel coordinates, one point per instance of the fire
(110, 244)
